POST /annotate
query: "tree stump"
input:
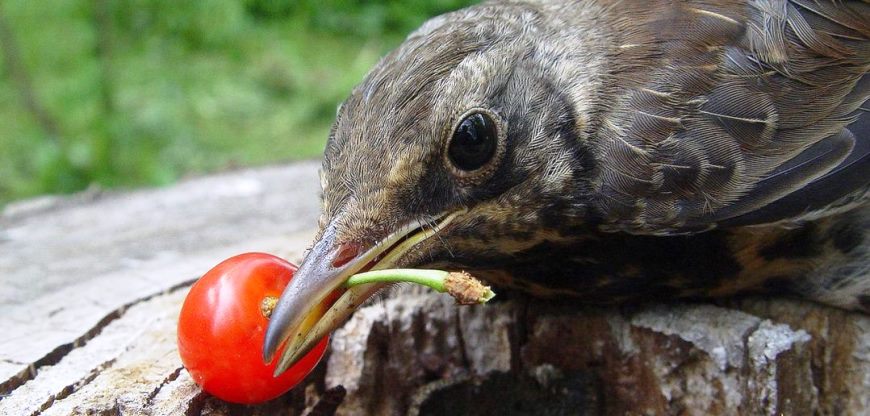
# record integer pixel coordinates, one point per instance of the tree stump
(92, 285)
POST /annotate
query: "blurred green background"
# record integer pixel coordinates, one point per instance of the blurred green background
(126, 93)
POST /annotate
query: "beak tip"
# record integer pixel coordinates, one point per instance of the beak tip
(271, 340)
(268, 353)
(280, 368)
(267, 356)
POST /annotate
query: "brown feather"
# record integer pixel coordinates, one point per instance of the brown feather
(775, 77)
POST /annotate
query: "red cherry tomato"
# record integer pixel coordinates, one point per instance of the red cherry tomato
(221, 330)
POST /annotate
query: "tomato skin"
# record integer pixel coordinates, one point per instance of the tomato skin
(221, 330)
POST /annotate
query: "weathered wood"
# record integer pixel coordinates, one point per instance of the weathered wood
(550, 359)
(68, 266)
(92, 286)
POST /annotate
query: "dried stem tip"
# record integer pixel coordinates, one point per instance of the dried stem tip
(466, 289)
(267, 305)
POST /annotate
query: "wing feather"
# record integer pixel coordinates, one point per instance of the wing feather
(842, 188)
(747, 115)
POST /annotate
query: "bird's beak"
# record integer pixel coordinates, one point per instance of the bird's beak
(304, 314)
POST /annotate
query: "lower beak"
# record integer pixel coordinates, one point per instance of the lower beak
(304, 314)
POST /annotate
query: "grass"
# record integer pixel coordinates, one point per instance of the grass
(193, 87)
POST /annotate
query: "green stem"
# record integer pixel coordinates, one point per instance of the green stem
(430, 278)
(462, 286)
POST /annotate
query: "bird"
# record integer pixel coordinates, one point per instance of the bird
(605, 152)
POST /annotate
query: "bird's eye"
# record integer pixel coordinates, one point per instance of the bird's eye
(474, 142)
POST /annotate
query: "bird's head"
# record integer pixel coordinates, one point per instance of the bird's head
(459, 145)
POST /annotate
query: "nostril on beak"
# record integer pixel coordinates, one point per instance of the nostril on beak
(346, 253)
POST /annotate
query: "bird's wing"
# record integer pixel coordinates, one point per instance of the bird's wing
(846, 184)
(754, 116)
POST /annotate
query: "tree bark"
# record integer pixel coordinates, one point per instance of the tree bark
(421, 354)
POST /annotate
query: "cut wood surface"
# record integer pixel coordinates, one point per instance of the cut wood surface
(92, 285)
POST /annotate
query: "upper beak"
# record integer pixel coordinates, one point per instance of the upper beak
(304, 314)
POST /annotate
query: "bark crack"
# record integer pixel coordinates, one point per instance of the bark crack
(425, 391)
(329, 402)
(166, 380)
(196, 404)
(72, 388)
(460, 336)
(518, 336)
(61, 351)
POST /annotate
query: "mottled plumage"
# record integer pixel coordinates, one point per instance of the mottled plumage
(652, 118)
(646, 150)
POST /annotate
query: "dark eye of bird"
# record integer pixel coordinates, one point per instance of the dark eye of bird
(474, 142)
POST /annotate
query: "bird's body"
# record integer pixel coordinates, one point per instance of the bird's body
(826, 260)
(610, 151)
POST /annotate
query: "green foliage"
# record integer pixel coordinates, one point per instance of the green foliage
(185, 87)
(361, 18)
(199, 23)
